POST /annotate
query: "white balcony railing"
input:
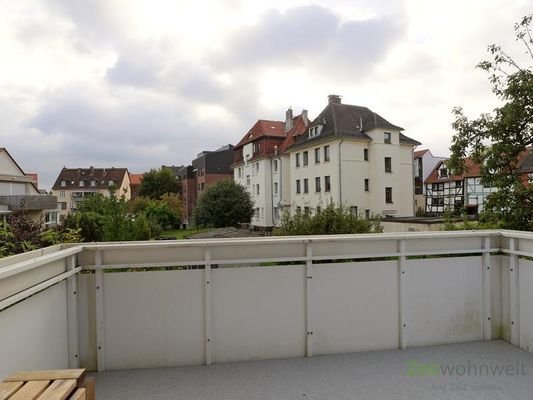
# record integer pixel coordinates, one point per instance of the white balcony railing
(130, 305)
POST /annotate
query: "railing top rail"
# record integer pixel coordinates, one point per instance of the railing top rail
(290, 239)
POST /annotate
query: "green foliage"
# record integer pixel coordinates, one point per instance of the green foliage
(165, 212)
(108, 219)
(224, 204)
(20, 234)
(466, 224)
(162, 214)
(329, 221)
(497, 140)
(158, 182)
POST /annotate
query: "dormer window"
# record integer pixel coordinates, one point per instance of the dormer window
(443, 172)
(93, 183)
(314, 131)
(387, 137)
(63, 183)
(82, 183)
(111, 183)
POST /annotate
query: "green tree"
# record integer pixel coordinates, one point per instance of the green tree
(330, 221)
(223, 204)
(158, 182)
(499, 139)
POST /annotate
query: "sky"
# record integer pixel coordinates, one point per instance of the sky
(145, 83)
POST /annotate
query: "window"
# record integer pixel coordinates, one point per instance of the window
(318, 209)
(353, 210)
(256, 167)
(62, 193)
(387, 137)
(314, 131)
(298, 210)
(458, 184)
(111, 183)
(275, 165)
(305, 158)
(317, 156)
(240, 172)
(255, 148)
(307, 211)
(297, 160)
(64, 205)
(63, 183)
(247, 180)
(275, 187)
(306, 185)
(298, 189)
(388, 195)
(388, 164)
(327, 184)
(257, 188)
(326, 153)
(367, 214)
(202, 186)
(365, 154)
(82, 183)
(443, 172)
(93, 183)
(317, 184)
(367, 186)
(256, 213)
(437, 201)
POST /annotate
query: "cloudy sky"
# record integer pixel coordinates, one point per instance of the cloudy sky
(140, 83)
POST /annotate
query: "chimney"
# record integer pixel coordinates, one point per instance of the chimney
(334, 99)
(288, 120)
(91, 171)
(305, 117)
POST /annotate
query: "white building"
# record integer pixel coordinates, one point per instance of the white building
(262, 167)
(425, 163)
(352, 156)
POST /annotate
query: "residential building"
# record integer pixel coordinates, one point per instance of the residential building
(352, 156)
(446, 191)
(19, 192)
(74, 185)
(135, 184)
(424, 164)
(212, 166)
(261, 165)
(188, 192)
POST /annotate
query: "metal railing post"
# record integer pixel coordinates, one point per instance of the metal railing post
(309, 299)
(207, 301)
(514, 293)
(99, 295)
(486, 290)
(73, 323)
(402, 260)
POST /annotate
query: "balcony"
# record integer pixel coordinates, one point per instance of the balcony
(382, 316)
(29, 202)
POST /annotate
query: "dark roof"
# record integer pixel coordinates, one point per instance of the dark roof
(349, 121)
(102, 176)
(420, 153)
(471, 170)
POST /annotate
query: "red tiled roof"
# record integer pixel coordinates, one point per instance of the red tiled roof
(471, 170)
(136, 179)
(263, 128)
(299, 127)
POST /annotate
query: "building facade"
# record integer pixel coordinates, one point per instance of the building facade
(352, 156)
(261, 165)
(19, 193)
(424, 164)
(188, 192)
(74, 185)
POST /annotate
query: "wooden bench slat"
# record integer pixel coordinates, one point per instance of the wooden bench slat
(89, 383)
(8, 388)
(47, 375)
(79, 394)
(31, 390)
(59, 389)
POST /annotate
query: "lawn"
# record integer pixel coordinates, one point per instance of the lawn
(183, 233)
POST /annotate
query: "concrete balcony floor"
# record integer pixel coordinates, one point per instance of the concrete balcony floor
(376, 375)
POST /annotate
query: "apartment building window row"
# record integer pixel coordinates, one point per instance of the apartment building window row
(318, 185)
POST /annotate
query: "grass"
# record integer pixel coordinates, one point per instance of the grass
(183, 233)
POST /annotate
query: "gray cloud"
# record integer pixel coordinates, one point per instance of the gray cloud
(312, 37)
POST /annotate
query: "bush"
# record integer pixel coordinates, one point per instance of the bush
(330, 221)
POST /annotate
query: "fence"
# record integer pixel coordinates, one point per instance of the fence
(110, 306)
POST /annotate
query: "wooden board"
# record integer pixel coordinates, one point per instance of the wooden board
(8, 388)
(89, 383)
(30, 390)
(59, 390)
(49, 375)
(79, 394)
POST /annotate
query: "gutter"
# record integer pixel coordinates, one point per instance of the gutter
(340, 171)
